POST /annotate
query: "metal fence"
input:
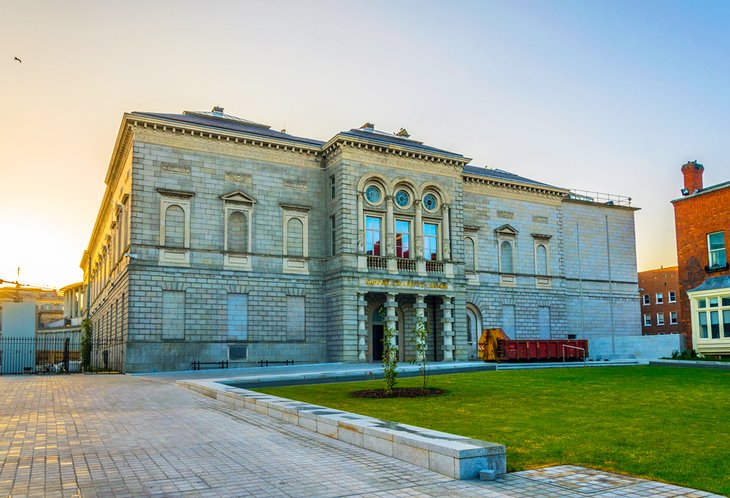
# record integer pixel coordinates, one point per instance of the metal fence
(54, 354)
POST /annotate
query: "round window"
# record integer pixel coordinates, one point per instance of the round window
(402, 198)
(372, 194)
(430, 202)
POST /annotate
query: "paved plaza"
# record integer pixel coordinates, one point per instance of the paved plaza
(113, 435)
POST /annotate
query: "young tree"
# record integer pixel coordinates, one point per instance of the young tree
(421, 334)
(390, 354)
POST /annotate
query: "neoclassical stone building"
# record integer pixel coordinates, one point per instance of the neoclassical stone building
(221, 239)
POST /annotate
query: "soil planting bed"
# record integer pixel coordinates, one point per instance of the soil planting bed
(399, 392)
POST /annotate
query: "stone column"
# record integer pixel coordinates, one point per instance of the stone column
(360, 225)
(361, 330)
(420, 314)
(390, 319)
(447, 233)
(448, 320)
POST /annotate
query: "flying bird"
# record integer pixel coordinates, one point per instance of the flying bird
(16, 59)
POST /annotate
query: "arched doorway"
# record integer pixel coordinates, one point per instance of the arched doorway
(377, 330)
(473, 330)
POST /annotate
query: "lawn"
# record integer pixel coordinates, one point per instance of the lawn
(665, 423)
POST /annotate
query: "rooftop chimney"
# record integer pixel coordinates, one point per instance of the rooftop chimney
(218, 109)
(692, 171)
(368, 127)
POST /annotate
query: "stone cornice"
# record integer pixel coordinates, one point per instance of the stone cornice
(542, 191)
(342, 141)
(204, 132)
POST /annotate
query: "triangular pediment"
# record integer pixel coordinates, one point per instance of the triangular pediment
(239, 197)
(507, 230)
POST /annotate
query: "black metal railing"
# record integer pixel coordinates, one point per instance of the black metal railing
(107, 355)
(27, 355)
(45, 354)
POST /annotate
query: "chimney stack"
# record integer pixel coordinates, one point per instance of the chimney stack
(692, 171)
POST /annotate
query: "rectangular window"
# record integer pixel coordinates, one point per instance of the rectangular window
(726, 323)
(508, 321)
(373, 233)
(333, 188)
(647, 319)
(715, 324)
(173, 315)
(672, 318)
(660, 318)
(238, 316)
(702, 316)
(403, 238)
(430, 241)
(647, 300)
(713, 302)
(295, 318)
(659, 298)
(701, 303)
(672, 297)
(333, 235)
(716, 247)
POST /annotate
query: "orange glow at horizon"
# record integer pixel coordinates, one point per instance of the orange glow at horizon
(575, 107)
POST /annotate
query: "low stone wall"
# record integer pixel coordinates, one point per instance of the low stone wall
(454, 456)
(644, 347)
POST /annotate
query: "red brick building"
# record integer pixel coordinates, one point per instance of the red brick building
(702, 223)
(659, 299)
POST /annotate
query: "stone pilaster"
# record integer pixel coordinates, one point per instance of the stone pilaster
(360, 225)
(390, 235)
(447, 233)
(420, 263)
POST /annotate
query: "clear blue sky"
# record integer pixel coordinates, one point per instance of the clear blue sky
(608, 96)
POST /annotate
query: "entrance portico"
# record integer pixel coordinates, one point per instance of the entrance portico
(401, 311)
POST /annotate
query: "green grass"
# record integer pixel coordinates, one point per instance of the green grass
(662, 423)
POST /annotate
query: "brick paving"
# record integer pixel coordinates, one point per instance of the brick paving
(108, 436)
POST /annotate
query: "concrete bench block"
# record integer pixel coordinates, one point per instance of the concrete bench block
(411, 454)
(350, 434)
(326, 428)
(451, 455)
(377, 444)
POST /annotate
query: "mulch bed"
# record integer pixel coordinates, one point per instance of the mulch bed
(398, 392)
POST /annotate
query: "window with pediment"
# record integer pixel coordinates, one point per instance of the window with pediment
(506, 245)
(295, 238)
(541, 244)
(238, 229)
(175, 227)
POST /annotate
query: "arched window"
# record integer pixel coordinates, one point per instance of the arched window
(505, 257)
(295, 237)
(469, 254)
(174, 226)
(237, 232)
(541, 267)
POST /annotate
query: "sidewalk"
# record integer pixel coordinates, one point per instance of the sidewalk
(115, 435)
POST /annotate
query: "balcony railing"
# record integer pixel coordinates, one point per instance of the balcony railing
(377, 263)
(434, 267)
(406, 264)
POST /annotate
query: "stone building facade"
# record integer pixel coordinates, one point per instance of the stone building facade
(702, 224)
(659, 298)
(221, 239)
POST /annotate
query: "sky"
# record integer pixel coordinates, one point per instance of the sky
(609, 96)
